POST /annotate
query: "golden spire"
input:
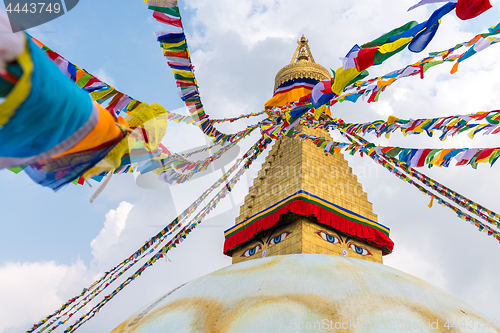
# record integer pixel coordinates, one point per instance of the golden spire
(303, 51)
(302, 66)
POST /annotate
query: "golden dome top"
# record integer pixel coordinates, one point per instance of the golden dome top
(301, 66)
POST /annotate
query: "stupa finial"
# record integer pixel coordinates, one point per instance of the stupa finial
(301, 66)
(303, 52)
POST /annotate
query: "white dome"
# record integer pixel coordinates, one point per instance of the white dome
(307, 293)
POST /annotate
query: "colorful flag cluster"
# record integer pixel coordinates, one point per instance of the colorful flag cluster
(53, 129)
(393, 169)
(119, 103)
(73, 138)
(442, 157)
(139, 157)
(406, 173)
(412, 34)
(412, 157)
(449, 126)
(175, 49)
(372, 88)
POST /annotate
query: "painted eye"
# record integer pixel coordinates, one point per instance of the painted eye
(359, 250)
(279, 238)
(329, 238)
(250, 252)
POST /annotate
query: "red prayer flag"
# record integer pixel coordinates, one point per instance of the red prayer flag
(52, 55)
(485, 153)
(115, 101)
(91, 82)
(467, 9)
(365, 57)
(478, 116)
(423, 157)
(160, 17)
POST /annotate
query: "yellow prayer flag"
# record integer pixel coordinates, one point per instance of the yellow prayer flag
(101, 93)
(152, 118)
(183, 73)
(391, 120)
(391, 47)
(318, 112)
(343, 77)
(172, 45)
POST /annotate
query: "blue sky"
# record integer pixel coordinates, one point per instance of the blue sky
(237, 48)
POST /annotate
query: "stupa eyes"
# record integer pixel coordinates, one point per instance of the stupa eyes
(279, 239)
(329, 238)
(359, 250)
(250, 252)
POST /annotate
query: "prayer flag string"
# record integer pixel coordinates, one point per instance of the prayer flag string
(393, 168)
(449, 125)
(462, 201)
(68, 309)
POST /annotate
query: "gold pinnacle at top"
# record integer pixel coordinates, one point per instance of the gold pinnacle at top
(302, 66)
(303, 51)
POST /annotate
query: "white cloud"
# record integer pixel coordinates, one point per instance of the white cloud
(33, 290)
(419, 263)
(110, 233)
(102, 75)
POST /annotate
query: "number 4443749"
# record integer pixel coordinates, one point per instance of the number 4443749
(34, 8)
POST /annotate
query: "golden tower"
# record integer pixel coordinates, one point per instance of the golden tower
(298, 173)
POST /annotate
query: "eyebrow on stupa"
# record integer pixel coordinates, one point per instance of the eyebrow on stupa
(272, 232)
(258, 240)
(340, 237)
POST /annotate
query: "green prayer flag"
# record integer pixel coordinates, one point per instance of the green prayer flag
(385, 38)
(172, 11)
(16, 170)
